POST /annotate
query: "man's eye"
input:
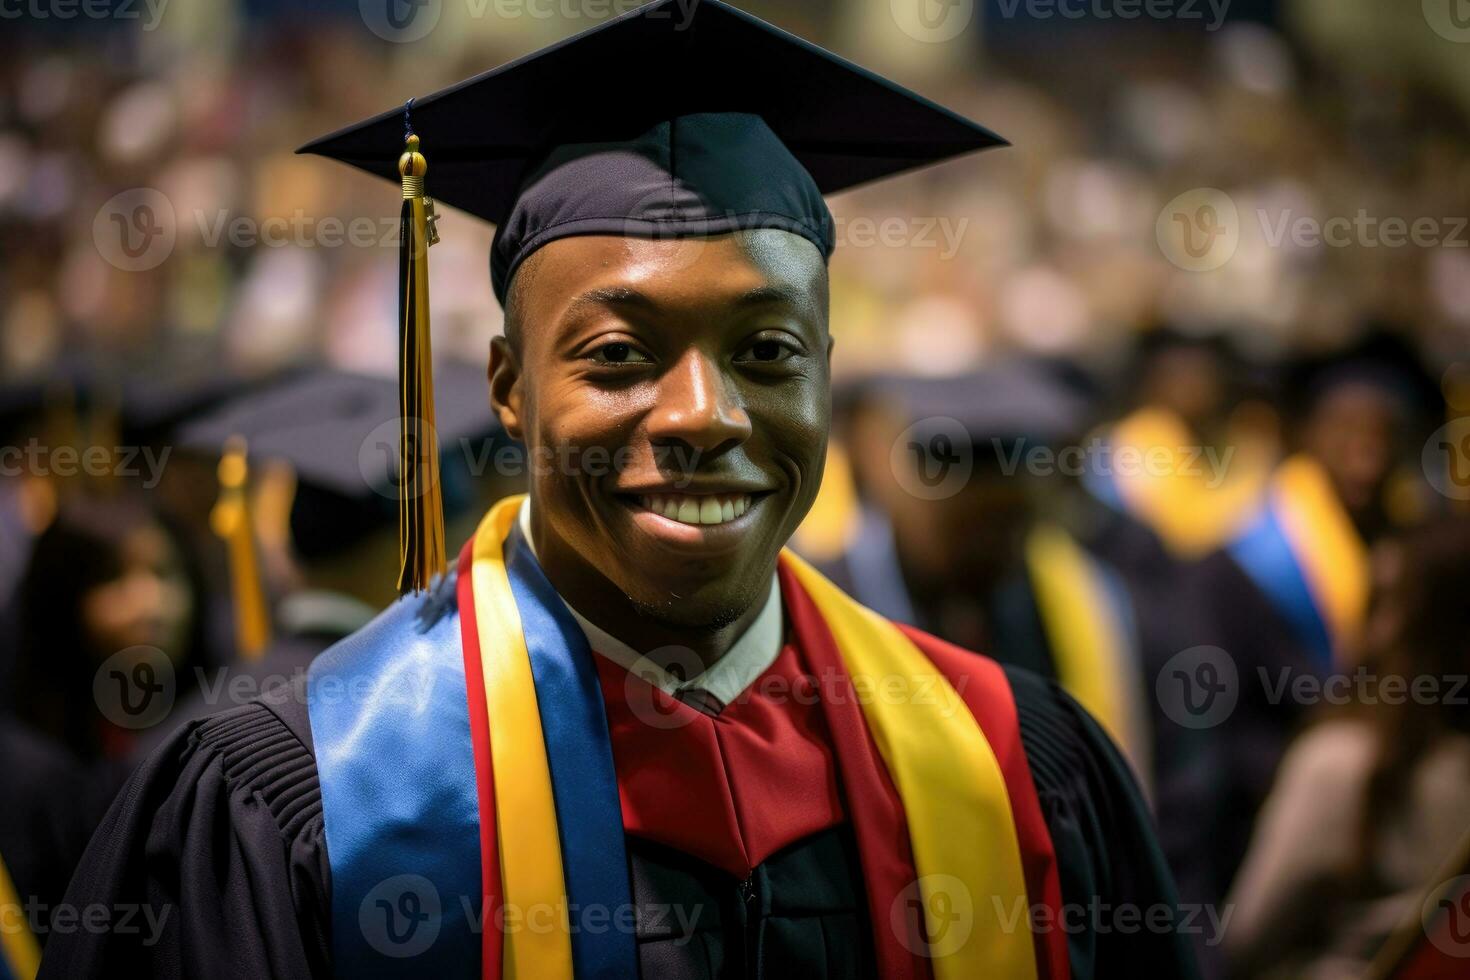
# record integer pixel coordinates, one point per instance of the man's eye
(767, 351)
(619, 352)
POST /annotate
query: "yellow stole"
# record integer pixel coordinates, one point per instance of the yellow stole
(1088, 639)
(21, 951)
(954, 796)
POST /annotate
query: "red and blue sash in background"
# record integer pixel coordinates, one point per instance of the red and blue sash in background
(471, 802)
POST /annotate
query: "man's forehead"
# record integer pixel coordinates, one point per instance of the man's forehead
(726, 273)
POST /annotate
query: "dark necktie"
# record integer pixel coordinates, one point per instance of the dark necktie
(700, 700)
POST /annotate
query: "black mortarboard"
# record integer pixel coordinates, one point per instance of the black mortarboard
(1020, 400)
(677, 119)
(338, 431)
(1383, 358)
(338, 434)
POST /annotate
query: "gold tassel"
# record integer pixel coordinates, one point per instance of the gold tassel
(231, 521)
(420, 513)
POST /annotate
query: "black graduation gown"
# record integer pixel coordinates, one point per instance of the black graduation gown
(221, 833)
(45, 815)
(1208, 782)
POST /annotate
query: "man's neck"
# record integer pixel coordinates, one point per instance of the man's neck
(589, 592)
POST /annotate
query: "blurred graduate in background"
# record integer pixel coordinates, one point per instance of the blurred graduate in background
(307, 513)
(944, 505)
(1359, 417)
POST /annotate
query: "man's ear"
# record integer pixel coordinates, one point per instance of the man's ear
(505, 386)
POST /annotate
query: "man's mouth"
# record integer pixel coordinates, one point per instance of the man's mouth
(704, 508)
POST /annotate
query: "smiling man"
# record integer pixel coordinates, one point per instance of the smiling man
(628, 734)
(701, 367)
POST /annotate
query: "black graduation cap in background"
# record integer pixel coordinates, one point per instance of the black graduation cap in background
(1381, 357)
(1004, 402)
(337, 431)
(677, 119)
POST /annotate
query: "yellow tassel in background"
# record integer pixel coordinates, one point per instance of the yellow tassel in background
(231, 521)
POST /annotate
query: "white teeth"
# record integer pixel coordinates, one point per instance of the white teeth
(697, 509)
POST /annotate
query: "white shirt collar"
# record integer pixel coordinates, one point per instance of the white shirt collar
(755, 650)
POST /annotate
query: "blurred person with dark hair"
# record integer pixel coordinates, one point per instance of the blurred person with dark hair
(106, 588)
(1373, 800)
(107, 581)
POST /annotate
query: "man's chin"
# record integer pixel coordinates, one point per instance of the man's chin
(702, 610)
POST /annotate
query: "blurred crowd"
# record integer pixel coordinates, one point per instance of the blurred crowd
(1158, 401)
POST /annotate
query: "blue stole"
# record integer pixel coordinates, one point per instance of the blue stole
(1264, 553)
(391, 727)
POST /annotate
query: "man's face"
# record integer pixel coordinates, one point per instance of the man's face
(674, 400)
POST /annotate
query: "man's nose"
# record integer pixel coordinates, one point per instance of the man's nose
(699, 406)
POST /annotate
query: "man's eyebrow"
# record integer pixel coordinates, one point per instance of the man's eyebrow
(627, 297)
(620, 296)
(769, 294)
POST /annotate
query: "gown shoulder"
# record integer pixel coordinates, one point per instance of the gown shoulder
(44, 821)
(215, 852)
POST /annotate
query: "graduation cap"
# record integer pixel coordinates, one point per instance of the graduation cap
(1007, 402)
(337, 431)
(1382, 358)
(651, 125)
